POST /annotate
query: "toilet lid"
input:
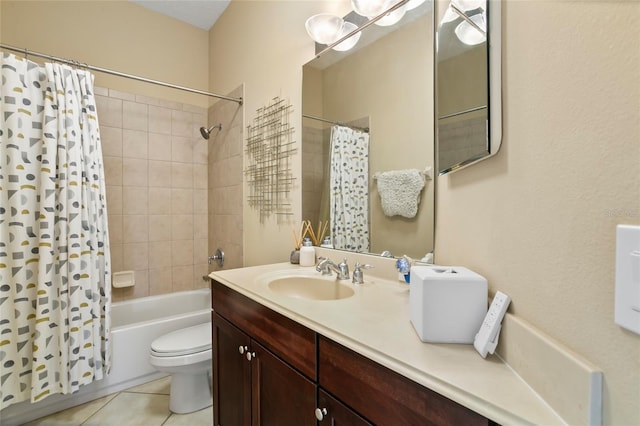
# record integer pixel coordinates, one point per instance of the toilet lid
(184, 341)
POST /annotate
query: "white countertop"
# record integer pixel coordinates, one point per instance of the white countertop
(375, 323)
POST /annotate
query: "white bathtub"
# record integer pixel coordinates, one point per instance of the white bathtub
(134, 325)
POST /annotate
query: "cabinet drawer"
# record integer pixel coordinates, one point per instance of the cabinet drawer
(291, 341)
(382, 395)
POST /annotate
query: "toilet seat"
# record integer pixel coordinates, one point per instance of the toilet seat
(188, 341)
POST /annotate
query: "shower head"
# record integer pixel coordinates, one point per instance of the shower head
(207, 132)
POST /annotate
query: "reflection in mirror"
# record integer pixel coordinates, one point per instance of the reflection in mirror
(468, 89)
(385, 86)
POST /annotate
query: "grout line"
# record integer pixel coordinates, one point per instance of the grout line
(100, 409)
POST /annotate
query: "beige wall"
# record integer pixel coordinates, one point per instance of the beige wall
(264, 44)
(538, 220)
(118, 35)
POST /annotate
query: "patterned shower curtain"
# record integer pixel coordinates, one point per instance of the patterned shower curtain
(349, 194)
(55, 276)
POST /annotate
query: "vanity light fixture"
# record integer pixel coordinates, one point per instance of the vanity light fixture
(325, 28)
(470, 34)
(412, 4)
(391, 18)
(370, 8)
(351, 41)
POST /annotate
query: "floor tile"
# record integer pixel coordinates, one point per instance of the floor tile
(203, 417)
(160, 386)
(132, 409)
(73, 416)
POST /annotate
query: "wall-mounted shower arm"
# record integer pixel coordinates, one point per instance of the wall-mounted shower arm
(117, 73)
(207, 132)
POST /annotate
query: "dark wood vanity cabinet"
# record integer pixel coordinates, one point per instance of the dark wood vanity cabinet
(270, 370)
(264, 364)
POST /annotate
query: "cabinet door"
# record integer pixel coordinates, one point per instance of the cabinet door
(231, 375)
(334, 413)
(382, 395)
(281, 395)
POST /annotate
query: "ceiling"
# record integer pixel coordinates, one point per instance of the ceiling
(199, 13)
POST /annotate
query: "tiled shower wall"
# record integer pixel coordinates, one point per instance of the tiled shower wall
(225, 181)
(156, 175)
(314, 160)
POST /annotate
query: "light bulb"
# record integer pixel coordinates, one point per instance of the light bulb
(351, 41)
(370, 7)
(324, 28)
(469, 35)
(391, 17)
(412, 4)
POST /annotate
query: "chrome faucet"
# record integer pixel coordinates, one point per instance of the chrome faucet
(325, 266)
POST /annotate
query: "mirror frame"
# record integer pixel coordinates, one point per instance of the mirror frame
(494, 40)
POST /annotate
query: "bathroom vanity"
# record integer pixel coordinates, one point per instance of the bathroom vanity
(281, 359)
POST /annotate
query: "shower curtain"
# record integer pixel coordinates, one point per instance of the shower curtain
(55, 276)
(349, 195)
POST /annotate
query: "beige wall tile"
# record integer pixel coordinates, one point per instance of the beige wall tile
(159, 147)
(199, 271)
(117, 94)
(140, 289)
(135, 116)
(181, 175)
(182, 277)
(159, 254)
(160, 281)
(109, 111)
(182, 124)
(200, 176)
(110, 140)
(181, 201)
(135, 228)
(134, 144)
(135, 172)
(136, 256)
(117, 257)
(182, 149)
(159, 201)
(200, 201)
(182, 252)
(113, 170)
(159, 174)
(182, 227)
(200, 149)
(200, 226)
(135, 200)
(156, 167)
(115, 229)
(159, 120)
(159, 227)
(114, 199)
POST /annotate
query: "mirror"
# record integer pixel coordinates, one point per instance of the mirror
(468, 83)
(383, 85)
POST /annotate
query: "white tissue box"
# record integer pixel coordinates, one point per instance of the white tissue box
(447, 304)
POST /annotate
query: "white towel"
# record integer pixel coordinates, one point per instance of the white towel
(400, 191)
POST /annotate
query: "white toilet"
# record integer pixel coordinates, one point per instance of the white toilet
(186, 354)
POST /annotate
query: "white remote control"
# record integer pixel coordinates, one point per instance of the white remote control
(486, 339)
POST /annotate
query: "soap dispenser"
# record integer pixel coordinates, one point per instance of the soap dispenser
(307, 253)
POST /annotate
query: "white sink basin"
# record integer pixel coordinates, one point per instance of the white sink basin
(307, 286)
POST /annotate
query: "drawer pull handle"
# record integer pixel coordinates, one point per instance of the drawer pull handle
(320, 413)
(242, 349)
(250, 355)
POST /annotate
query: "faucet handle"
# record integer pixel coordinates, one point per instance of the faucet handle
(358, 275)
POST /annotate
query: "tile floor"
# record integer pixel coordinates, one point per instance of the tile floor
(144, 405)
